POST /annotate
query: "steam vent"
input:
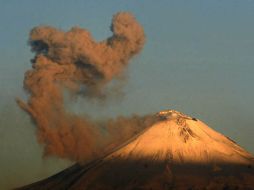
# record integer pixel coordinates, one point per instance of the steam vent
(178, 152)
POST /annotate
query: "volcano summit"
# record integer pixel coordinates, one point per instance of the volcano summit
(177, 152)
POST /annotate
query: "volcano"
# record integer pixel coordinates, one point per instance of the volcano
(178, 152)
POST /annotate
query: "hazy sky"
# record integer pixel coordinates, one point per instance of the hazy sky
(198, 59)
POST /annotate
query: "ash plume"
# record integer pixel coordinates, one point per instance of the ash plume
(73, 60)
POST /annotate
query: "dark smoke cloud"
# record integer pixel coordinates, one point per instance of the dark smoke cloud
(73, 60)
(81, 60)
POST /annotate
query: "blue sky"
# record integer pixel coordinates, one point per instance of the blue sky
(198, 59)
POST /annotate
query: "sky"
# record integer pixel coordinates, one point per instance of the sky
(198, 59)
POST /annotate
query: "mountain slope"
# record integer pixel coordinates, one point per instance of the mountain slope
(179, 152)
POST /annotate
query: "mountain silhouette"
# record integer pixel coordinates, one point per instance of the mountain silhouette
(178, 152)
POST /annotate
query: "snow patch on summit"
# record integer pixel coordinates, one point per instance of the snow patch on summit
(183, 139)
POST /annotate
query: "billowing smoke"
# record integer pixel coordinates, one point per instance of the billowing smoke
(74, 61)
